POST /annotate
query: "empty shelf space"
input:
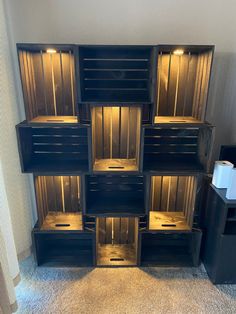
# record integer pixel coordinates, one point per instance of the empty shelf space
(115, 165)
(64, 249)
(177, 249)
(115, 194)
(177, 148)
(62, 221)
(182, 81)
(172, 202)
(109, 74)
(116, 255)
(117, 241)
(48, 81)
(57, 148)
(55, 119)
(168, 221)
(116, 135)
(58, 201)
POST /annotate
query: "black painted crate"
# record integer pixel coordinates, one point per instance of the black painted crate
(53, 149)
(115, 195)
(116, 74)
(64, 248)
(176, 249)
(177, 149)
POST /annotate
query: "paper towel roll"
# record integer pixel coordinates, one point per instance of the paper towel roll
(231, 190)
(222, 174)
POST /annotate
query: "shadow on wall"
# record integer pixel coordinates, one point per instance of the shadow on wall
(221, 110)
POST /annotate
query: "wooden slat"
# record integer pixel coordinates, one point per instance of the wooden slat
(163, 98)
(58, 83)
(66, 72)
(172, 85)
(39, 84)
(48, 80)
(115, 136)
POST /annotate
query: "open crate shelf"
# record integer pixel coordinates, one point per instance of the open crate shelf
(175, 250)
(59, 203)
(115, 195)
(115, 74)
(50, 149)
(117, 241)
(48, 82)
(183, 76)
(172, 203)
(116, 138)
(176, 149)
(64, 249)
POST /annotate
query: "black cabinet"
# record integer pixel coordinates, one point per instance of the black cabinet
(219, 250)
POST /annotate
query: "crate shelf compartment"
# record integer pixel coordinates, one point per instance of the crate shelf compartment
(115, 74)
(183, 76)
(64, 249)
(115, 195)
(176, 149)
(50, 149)
(58, 201)
(117, 241)
(172, 203)
(116, 138)
(175, 250)
(48, 82)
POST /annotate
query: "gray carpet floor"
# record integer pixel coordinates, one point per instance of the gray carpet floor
(121, 290)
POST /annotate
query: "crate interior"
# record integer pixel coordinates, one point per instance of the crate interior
(230, 225)
(116, 138)
(115, 74)
(60, 249)
(115, 194)
(51, 149)
(117, 241)
(172, 203)
(48, 82)
(183, 76)
(59, 203)
(176, 250)
(177, 148)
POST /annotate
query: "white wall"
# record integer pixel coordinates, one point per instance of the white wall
(140, 22)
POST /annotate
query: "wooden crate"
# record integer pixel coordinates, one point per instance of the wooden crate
(116, 74)
(183, 76)
(173, 202)
(53, 149)
(59, 202)
(115, 195)
(116, 133)
(64, 248)
(177, 149)
(117, 241)
(48, 82)
(175, 250)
